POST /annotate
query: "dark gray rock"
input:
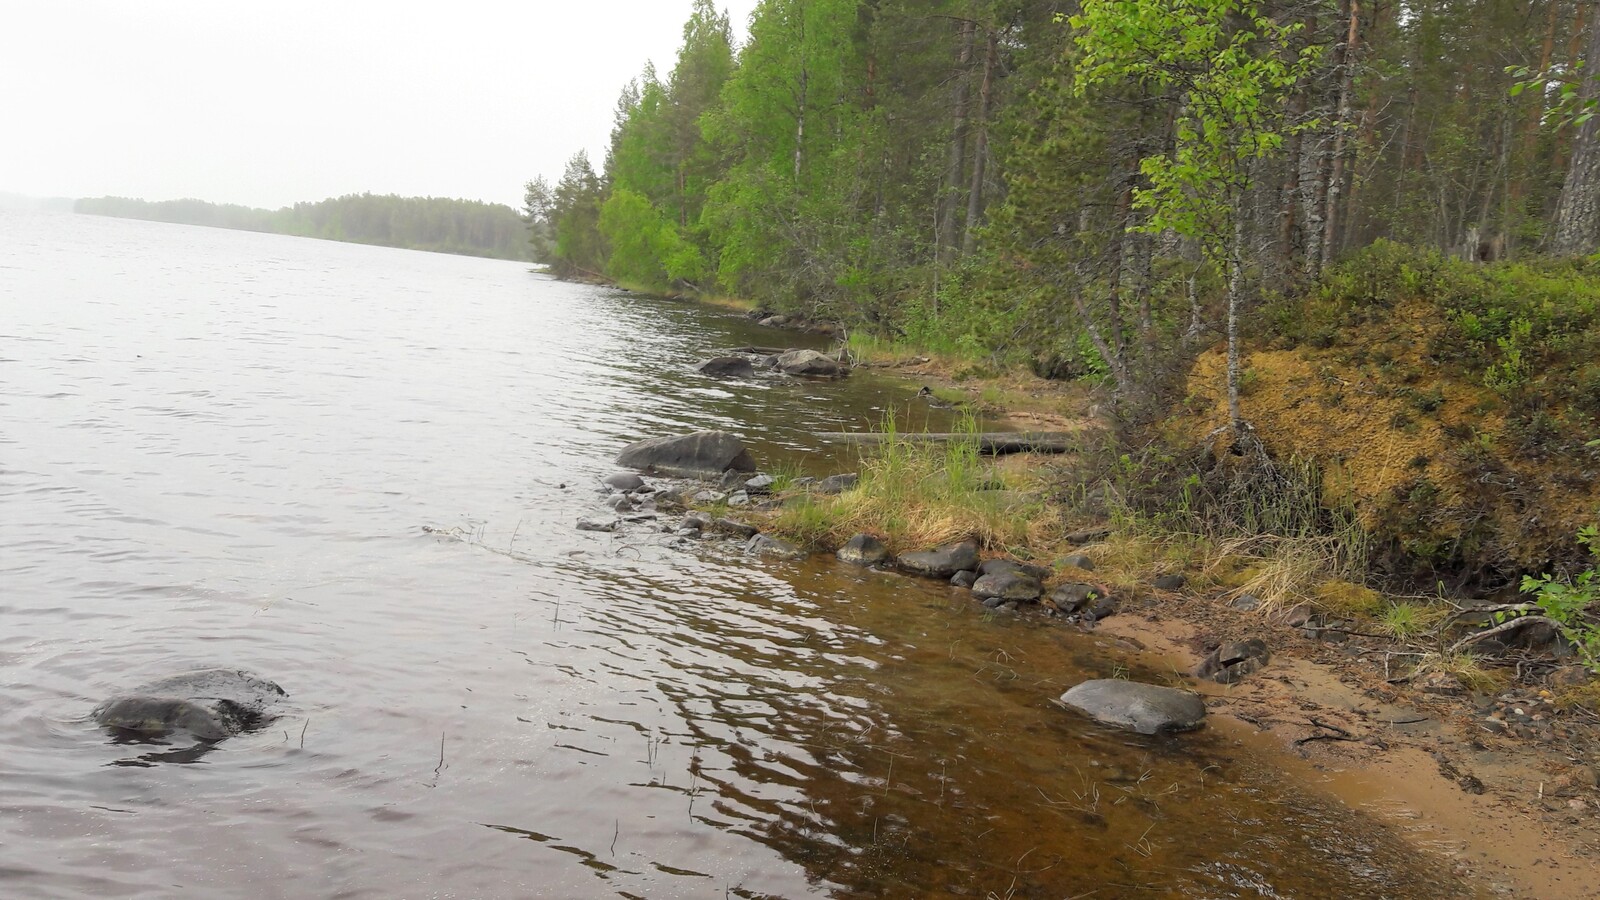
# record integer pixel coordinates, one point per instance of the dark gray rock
(1232, 661)
(619, 503)
(1008, 586)
(768, 362)
(811, 364)
(733, 480)
(965, 578)
(1172, 582)
(726, 367)
(736, 528)
(738, 498)
(1076, 561)
(624, 481)
(1100, 606)
(864, 550)
(766, 545)
(999, 566)
(1144, 708)
(837, 484)
(1073, 596)
(697, 520)
(210, 704)
(761, 484)
(700, 454)
(943, 562)
(598, 524)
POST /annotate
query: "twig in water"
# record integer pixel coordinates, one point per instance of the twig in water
(440, 767)
(616, 830)
(303, 732)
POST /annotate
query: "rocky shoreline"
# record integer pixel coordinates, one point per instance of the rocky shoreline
(1510, 757)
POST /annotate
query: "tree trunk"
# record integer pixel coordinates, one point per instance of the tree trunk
(1347, 77)
(1529, 148)
(956, 162)
(980, 149)
(1335, 165)
(1577, 224)
(1287, 221)
(1235, 297)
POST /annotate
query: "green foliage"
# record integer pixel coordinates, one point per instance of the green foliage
(1233, 81)
(1567, 601)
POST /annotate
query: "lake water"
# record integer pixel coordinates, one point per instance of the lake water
(222, 448)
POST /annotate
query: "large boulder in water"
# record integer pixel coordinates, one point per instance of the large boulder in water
(1145, 708)
(810, 363)
(726, 367)
(210, 704)
(693, 455)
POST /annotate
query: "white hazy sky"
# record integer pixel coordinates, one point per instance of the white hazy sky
(266, 102)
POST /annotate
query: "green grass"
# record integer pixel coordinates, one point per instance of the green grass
(916, 495)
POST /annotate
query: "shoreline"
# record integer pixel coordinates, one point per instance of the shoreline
(1515, 813)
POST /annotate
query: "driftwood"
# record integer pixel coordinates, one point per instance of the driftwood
(994, 443)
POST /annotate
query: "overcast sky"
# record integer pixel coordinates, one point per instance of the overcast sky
(267, 103)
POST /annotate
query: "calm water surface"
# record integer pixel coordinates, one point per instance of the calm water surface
(221, 448)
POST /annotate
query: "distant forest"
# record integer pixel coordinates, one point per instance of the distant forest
(466, 227)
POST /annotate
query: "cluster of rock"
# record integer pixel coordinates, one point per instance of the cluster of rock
(1004, 584)
(769, 319)
(804, 363)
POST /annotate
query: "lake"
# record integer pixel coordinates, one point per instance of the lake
(223, 448)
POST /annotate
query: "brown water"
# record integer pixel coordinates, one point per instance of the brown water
(220, 448)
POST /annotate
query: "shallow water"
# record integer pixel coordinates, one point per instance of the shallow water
(220, 448)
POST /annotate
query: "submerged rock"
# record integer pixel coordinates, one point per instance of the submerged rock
(943, 562)
(700, 454)
(863, 550)
(726, 367)
(1145, 708)
(1008, 586)
(210, 704)
(965, 578)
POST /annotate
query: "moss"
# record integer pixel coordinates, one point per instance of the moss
(1457, 398)
(1345, 598)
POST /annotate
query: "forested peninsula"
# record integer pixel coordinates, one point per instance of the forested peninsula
(1356, 234)
(465, 227)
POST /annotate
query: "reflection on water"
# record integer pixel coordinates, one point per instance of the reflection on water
(219, 448)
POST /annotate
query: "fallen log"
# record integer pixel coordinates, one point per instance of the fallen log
(997, 443)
